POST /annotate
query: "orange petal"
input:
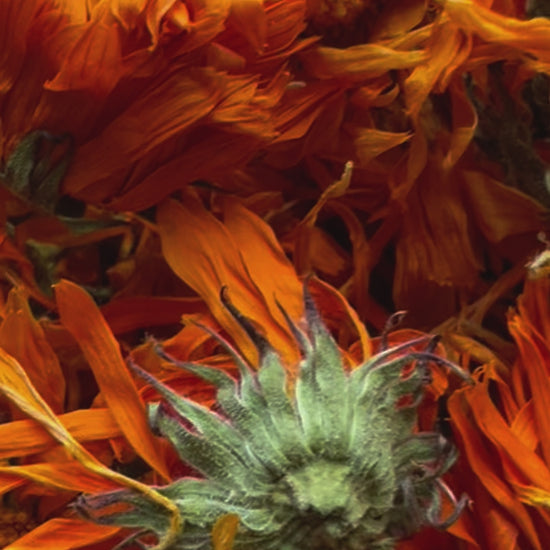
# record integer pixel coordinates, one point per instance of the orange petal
(370, 142)
(15, 21)
(535, 357)
(63, 534)
(499, 210)
(67, 476)
(27, 437)
(504, 533)
(337, 312)
(315, 251)
(534, 307)
(361, 256)
(195, 163)
(82, 318)
(336, 189)
(482, 462)
(137, 312)
(535, 496)
(16, 386)
(435, 253)
(398, 18)
(529, 36)
(203, 253)
(464, 123)
(527, 465)
(224, 531)
(164, 110)
(447, 50)
(301, 106)
(86, 471)
(264, 256)
(22, 337)
(250, 19)
(358, 62)
(125, 11)
(524, 427)
(94, 63)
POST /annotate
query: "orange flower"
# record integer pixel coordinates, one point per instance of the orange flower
(396, 150)
(501, 424)
(255, 252)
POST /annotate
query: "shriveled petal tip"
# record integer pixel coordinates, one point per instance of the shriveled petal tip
(82, 318)
(370, 142)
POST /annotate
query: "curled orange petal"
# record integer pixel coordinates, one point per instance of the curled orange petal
(82, 318)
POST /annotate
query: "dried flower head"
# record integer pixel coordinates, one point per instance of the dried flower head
(334, 464)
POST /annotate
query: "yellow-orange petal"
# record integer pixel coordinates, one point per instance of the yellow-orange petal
(82, 473)
(224, 531)
(66, 476)
(16, 386)
(358, 62)
(529, 36)
(26, 437)
(83, 320)
(447, 49)
(371, 142)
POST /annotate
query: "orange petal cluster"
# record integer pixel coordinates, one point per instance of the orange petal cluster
(153, 152)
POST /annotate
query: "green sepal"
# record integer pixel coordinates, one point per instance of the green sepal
(211, 456)
(33, 173)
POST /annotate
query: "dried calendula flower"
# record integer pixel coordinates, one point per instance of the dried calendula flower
(334, 463)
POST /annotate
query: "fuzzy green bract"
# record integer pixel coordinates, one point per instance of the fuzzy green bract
(335, 465)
